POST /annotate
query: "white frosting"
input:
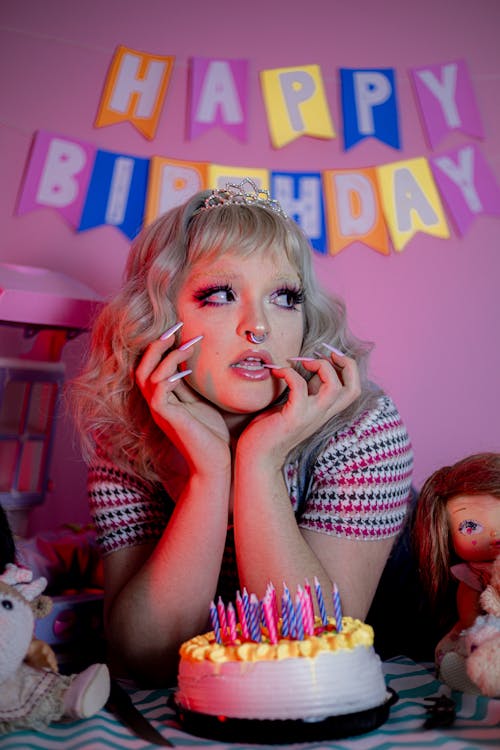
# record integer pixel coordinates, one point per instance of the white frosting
(330, 683)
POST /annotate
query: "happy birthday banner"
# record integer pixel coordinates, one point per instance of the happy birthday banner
(91, 187)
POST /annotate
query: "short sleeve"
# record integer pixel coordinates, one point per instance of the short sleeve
(125, 510)
(361, 481)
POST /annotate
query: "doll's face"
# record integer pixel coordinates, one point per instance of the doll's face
(474, 523)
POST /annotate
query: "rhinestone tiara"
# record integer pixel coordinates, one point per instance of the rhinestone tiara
(238, 195)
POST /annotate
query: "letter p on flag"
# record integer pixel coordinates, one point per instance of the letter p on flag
(135, 90)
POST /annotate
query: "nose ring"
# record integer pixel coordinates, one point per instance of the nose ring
(256, 338)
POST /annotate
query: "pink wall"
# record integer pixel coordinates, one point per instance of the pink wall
(432, 309)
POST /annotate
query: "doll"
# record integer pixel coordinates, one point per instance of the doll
(31, 697)
(457, 537)
(32, 692)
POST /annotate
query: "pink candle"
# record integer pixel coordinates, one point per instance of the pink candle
(231, 623)
(221, 611)
(242, 616)
(307, 611)
(271, 622)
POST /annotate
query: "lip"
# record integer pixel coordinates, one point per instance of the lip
(255, 371)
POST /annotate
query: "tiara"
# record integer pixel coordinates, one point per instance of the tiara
(238, 195)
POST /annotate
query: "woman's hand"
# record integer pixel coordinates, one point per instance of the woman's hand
(194, 426)
(310, 404)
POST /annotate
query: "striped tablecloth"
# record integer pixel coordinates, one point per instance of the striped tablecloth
(477, 724)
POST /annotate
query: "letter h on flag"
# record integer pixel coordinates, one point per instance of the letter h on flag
(135, 90)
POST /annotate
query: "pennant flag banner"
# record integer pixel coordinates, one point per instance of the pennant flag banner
(301, 197)
(57, 176)
(369, 106)
(353, 209)
(410, 201)
(447, 102)
(467, 185)
(219, 96)
(335, 208)
(117, 193)
(172, 182)
(135, 90)
(296, 104)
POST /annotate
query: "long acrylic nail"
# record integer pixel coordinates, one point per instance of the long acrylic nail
(189, 343)
(301, 359)
(179, 375)
(333, 349)
(274, 367)
(170, 331)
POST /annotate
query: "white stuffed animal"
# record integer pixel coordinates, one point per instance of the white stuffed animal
(32, 698)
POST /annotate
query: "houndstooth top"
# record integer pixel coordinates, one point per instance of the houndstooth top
(358, 487)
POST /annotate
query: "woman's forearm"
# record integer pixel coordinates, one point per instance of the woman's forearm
(167, 595)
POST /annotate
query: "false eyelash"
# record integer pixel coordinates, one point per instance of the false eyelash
(202, 294)
(296, 294)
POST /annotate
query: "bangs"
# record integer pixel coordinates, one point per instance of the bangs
(243, 230)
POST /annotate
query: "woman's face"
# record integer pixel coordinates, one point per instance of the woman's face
(227, 298)
(474, 522)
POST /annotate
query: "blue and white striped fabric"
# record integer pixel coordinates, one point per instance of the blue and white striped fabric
(477, 724)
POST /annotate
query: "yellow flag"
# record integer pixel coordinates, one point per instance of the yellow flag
(296, 104)
(411, 201)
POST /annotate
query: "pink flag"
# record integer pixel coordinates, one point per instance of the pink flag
(218, 96)
(467, 185)
(57, 175)
(446, 99)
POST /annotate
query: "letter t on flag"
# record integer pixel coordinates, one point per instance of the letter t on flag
(135, 90)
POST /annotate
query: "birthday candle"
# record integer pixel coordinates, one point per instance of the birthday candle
(267, 607)
(214, 621)
(298, 615)
(292, 620)
(321, 602)
(221, 611)
(246, 603)
(307, 611)
(231, 622)
(274, 600)
(337, 608)
(255, 632)
(242, 616)
(285, 630)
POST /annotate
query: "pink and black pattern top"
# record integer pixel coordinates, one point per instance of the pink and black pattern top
(358, 488)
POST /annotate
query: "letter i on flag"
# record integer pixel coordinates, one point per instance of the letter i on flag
(135, 90)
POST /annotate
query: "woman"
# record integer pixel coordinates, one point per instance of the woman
(230, 426)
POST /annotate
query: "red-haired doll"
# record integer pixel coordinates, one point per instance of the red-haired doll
(457, 535)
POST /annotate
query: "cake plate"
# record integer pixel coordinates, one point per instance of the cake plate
(282, 731)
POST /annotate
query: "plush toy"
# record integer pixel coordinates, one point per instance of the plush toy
(457, 535)
(482, 640)
(30, 697)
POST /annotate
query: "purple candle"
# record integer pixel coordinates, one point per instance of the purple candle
(255, 632)
(214, 621)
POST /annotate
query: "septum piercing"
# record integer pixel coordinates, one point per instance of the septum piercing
(256, 339)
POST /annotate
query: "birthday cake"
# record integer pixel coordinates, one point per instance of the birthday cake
(297, 666)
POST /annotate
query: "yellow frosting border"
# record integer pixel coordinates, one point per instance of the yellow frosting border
(205, 648)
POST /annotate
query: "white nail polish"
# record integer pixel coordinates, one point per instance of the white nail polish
(189, 343)
(179, 375)
(333, 349)
(301, 359)
(170, 331)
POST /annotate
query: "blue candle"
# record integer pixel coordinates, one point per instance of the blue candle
(337, 608)
(214, 621)
(321, 602)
